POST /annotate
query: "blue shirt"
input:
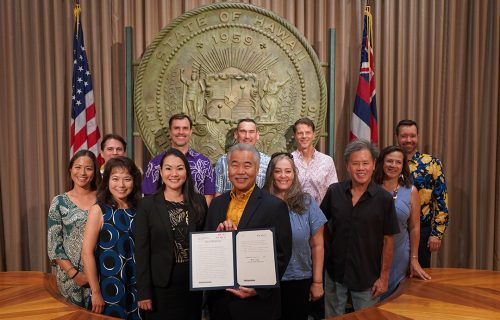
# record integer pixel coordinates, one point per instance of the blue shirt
(304, 226)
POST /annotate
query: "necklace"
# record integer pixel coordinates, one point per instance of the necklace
(395, 193)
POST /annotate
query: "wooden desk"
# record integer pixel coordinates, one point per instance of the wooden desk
(452, 294)
(461, 294)
(34, 295)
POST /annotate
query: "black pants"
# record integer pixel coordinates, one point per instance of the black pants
(424, 254)
(295, 299)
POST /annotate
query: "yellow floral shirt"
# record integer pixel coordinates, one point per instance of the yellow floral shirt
(428, 178)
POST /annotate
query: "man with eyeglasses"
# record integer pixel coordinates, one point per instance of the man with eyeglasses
(316, 170)
(246, 132)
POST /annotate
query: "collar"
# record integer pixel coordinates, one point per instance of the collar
(302, 157)
(372, 188)
(190, 153)
(244, 196)
(416, 156)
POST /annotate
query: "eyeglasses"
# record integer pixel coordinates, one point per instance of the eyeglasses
(288, 154)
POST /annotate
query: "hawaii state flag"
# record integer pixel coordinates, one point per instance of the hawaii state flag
(84, 130)
(364, 116)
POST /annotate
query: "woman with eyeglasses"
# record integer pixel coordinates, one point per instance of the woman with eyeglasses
(303, 278)
(393, 174)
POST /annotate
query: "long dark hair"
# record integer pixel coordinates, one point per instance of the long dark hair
(103, 193)
(96, 179)
(296, 199)
(191, 198)
(405, 179)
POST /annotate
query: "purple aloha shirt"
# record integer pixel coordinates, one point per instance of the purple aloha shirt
(202, 173)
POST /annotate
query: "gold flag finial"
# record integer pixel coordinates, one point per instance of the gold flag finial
(76, 14)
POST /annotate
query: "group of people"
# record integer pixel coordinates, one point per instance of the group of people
(120, 242)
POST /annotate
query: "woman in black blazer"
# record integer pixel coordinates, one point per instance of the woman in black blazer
(163, 223)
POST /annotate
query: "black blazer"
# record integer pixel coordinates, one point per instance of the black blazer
(154, 244)
(262, 211)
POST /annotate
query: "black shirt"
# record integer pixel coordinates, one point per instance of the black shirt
(355, 239)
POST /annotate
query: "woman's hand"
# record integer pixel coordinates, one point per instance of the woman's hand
(81, 279)
(97, 302)
(316, 291)
(417, 271)
(145, 304)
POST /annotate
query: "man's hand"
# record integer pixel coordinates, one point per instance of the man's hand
(145, 304)
(243, 292)
(433, 243)
(380, 287)
(227, 225)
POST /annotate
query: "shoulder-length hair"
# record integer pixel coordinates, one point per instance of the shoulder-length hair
(295, 198)
(191, 198)
(103, 193)
(405, 179)
(96, 179)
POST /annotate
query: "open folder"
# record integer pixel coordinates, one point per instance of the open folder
(229, 259)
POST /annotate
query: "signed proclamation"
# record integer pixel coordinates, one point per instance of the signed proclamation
(212, 260)
(229, 259)
(255, 258)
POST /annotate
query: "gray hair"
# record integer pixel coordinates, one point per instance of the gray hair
(358, 145)
(245, 147)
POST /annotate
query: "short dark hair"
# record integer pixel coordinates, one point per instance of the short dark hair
(405, 179)
(180, 116)
(110, 136)
(96, 179)
(306, 121)
(405, 123)
(245, 120)
(103, 193)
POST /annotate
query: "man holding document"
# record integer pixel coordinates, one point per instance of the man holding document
(244, 208)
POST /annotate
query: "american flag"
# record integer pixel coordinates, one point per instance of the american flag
(364, 117)
(84, 131)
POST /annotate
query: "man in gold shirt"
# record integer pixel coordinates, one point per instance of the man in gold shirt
(246, 207)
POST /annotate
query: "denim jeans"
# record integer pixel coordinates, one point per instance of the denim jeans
(338, 299)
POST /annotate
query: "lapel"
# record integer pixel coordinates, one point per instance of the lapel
(191, 225)
(222, 210)
(252, 205)
(161, 211)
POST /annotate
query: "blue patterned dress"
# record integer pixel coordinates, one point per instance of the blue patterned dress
(115, 260)
(401, 256)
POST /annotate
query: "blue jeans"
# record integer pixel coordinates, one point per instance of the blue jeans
(360, 299)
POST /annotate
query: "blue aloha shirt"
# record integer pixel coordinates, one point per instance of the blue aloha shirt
(428, 178)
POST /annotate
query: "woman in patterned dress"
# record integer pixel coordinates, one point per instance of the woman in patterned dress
(108, 243)
(164, 220)
(66, 221)
(393, 174)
